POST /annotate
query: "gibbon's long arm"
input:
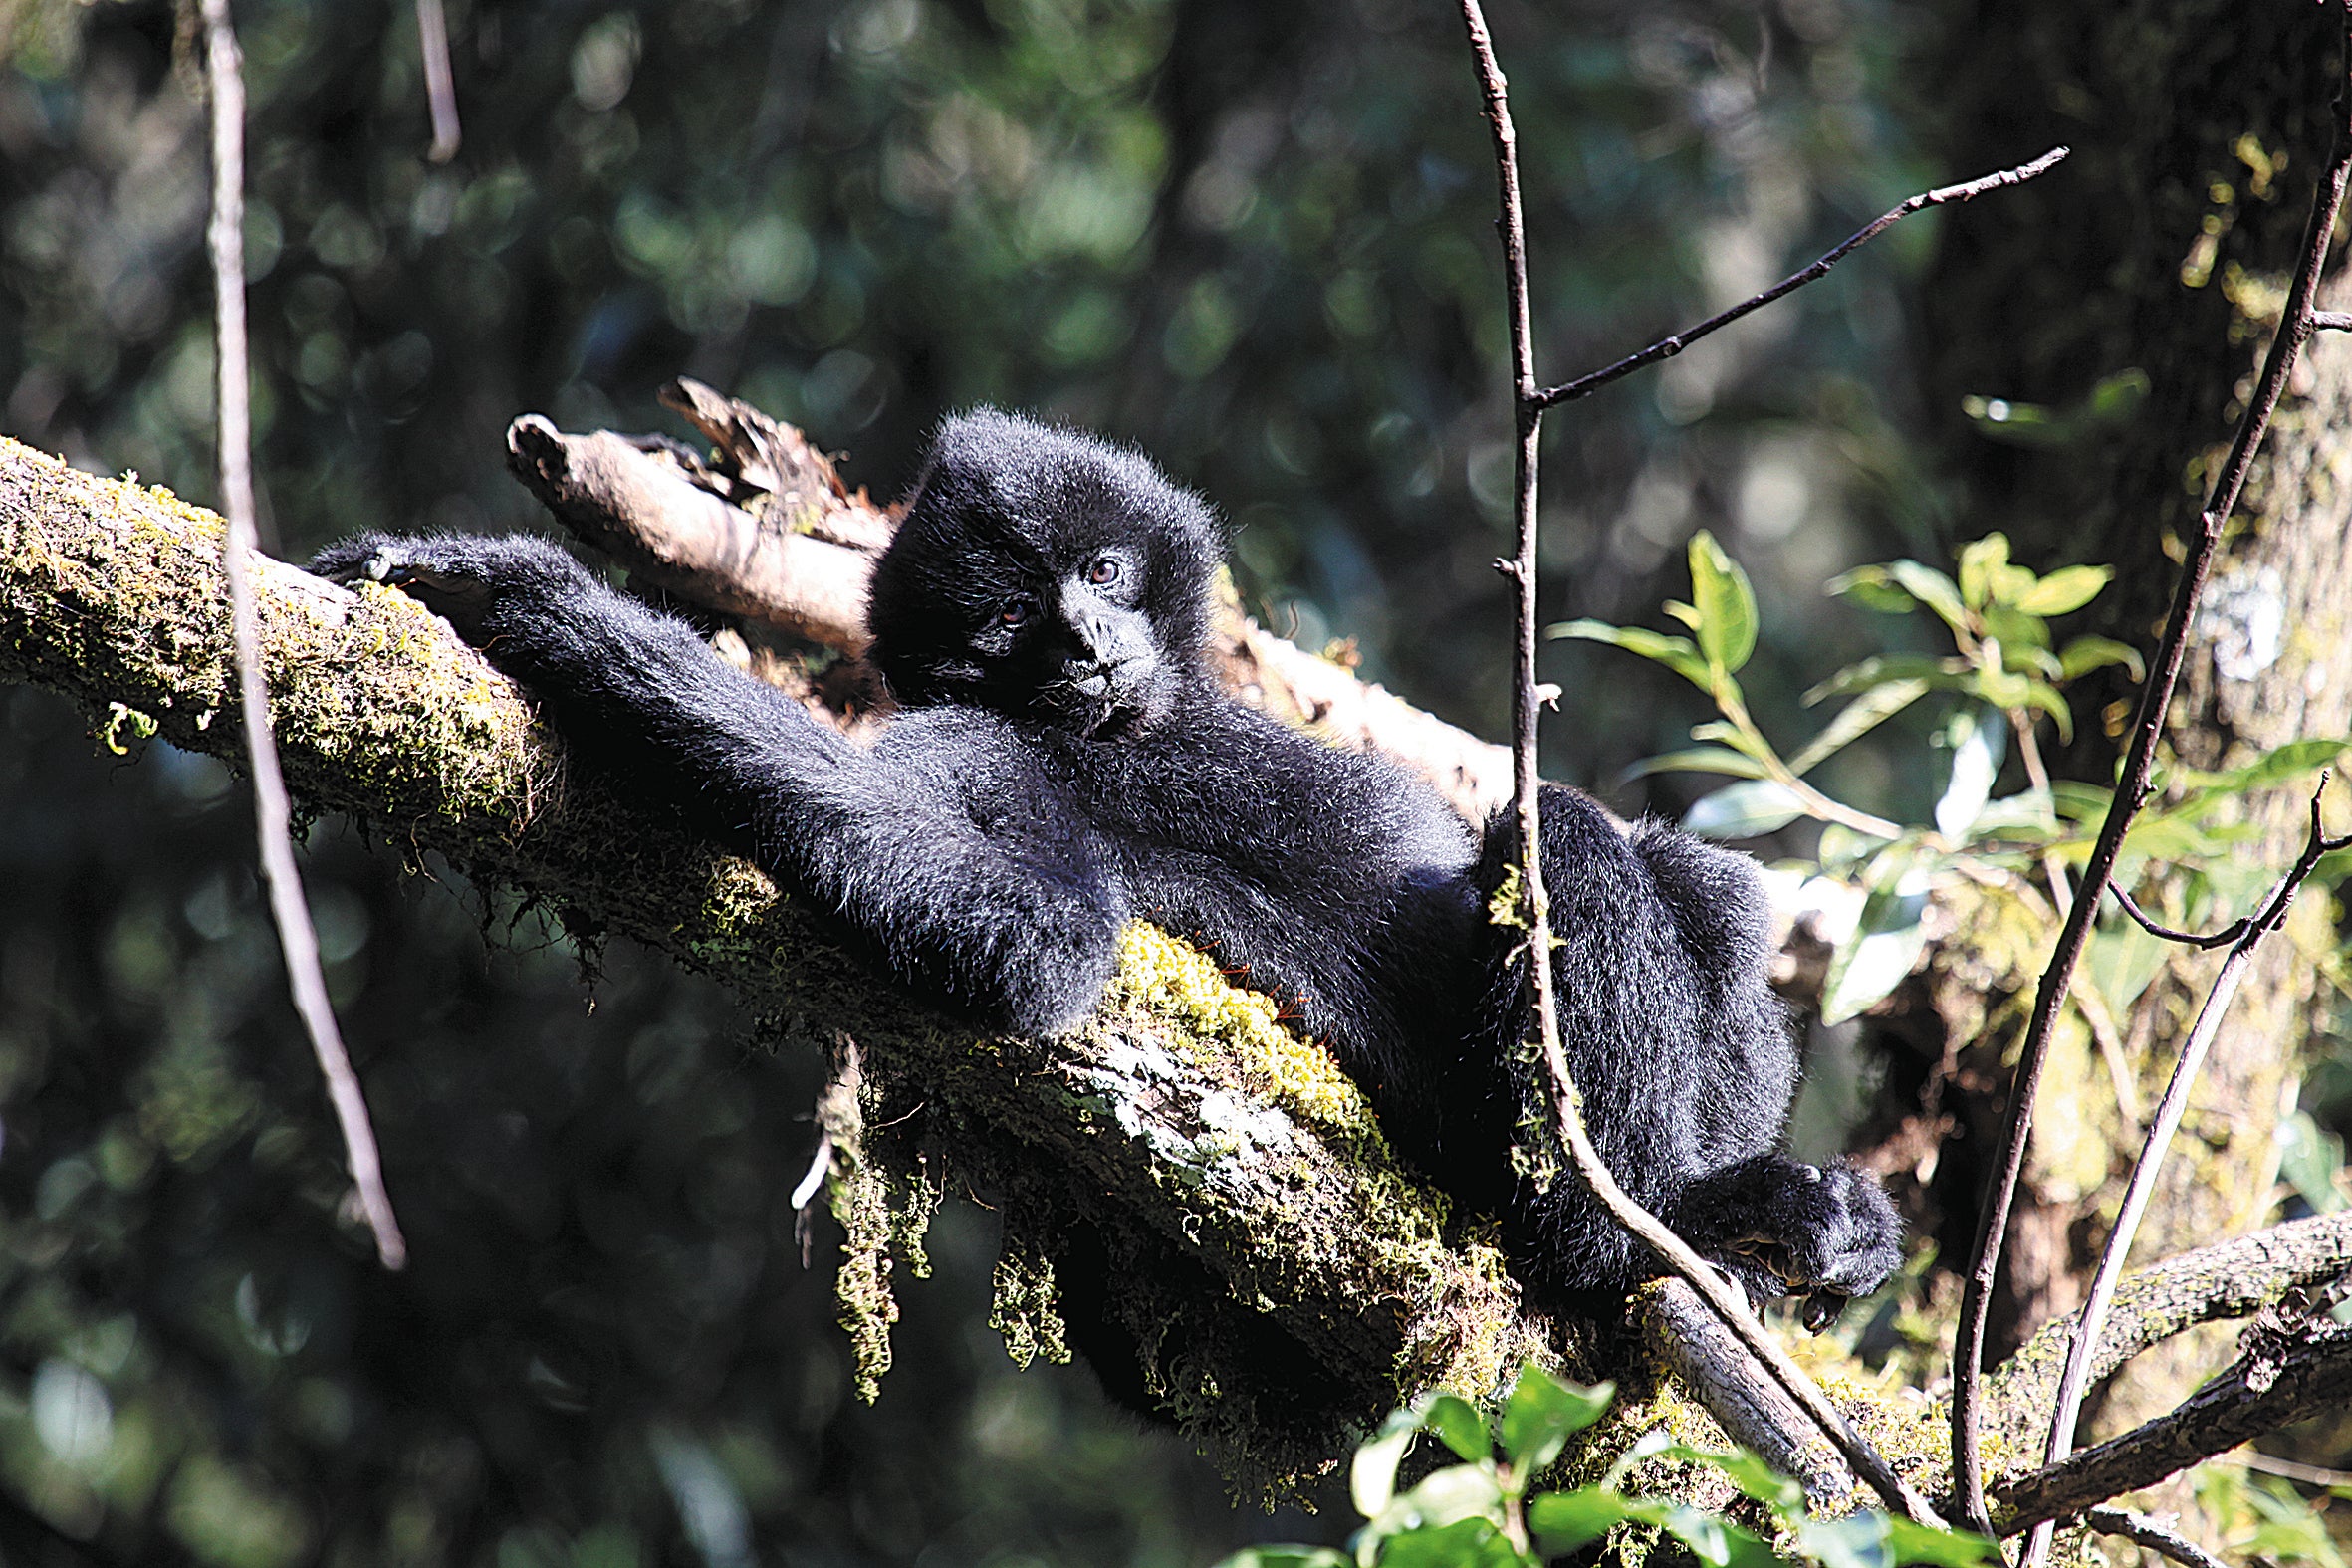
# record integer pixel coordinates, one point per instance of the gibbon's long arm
(1021, 934)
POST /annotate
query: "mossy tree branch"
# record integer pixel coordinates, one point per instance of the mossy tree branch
(1180, 1133)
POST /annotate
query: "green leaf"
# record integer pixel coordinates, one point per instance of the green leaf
(2121, 960)
(2110, 404)
(1743, 811)
(1715, 1542)
(1881, 668)
(1459, 1425)
(1459, 1491)
(2291, 760)
(1699, 760)
(1980, 740)
(2310, 1160)
(1978, 558)
(1725, 604)
(2015, 627)
(2085, 655)
(2078, 801)
(1285, 1557)
(1569, 1520)
(1465, 1543)
(1542, 1412)
(2068, 588)
(1931, 588)
(1678, 654)
(1872, 588)
(1886, 943)
(1371, 1478)
(1745, 742)
(1874, 707)
(1751, 1475)
(1924, 1543)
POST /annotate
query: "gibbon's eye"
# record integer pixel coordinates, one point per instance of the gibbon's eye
(1019, 610)
(1106, 571)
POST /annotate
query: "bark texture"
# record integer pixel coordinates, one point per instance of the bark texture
(2161, 248)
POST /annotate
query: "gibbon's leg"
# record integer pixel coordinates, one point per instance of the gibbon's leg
(1021, 934)
(1683, 1056)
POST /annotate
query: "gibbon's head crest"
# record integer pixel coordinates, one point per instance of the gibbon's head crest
(1047, 574)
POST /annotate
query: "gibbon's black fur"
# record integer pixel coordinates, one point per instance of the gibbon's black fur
(1065, 763)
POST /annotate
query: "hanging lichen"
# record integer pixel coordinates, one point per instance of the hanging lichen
(1026, 1308)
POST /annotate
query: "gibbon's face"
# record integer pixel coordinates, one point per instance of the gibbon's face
(1046, 574)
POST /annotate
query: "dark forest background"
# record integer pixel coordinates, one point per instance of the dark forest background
(1254, 238)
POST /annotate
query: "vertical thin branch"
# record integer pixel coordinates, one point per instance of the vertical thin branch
(1566, 1106)
(271, 812)
(2071, 1383)
(2001, 1193)
(440, 86)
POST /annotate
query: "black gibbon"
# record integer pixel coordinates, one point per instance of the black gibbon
(1065, 763)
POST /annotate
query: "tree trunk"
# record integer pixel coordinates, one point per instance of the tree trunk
(2161, 246)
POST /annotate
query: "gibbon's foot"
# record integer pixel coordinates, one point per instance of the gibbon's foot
(1828, 1234)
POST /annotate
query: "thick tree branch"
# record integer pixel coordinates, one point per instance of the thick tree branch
(2284, 1374)
(1175, 1128)
(2230, 1279)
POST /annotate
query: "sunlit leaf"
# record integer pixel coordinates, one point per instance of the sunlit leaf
(2014, 627)
(1748, 744)
(1882, 668)
(1678, 654)
(1931, 588)
(1459, 1425)
(2121, 960)
(1715, 1542)
(1465, 1543)
(2085, 655)
(1887, 941)
(1874, 707)
(1978, 558)
(1699, 760)
(1924, 1543)
(1751, 1475)
(1569, 1520)
(2068, 588)
(1872, 588)
(1542, 1412)
(2291, 760)
(1743, 811)
(1371, 1476)
(1725, 604)
(1285, 1557)
(1979, 741)
(2311, 1159)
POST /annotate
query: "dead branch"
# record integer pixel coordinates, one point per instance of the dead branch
(2285, 1372)
(2229, 1280)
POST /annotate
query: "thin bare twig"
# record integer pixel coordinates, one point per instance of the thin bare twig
(1668, 347)
(2154, 1534)
(2331, 320)
(272, 814)
(1567, 1110)
(2072, 1382)
(2210, 940)
(440, 85)
(1968, 1458)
